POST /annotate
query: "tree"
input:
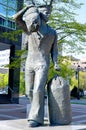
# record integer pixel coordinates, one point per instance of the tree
(66, 71)
(71, 34)
(82, 79)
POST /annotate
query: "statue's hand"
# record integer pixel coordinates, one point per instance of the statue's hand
(57, 67)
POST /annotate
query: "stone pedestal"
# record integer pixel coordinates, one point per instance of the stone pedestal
(59, 101)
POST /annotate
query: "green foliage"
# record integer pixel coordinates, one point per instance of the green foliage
(52, 72)
(22, 83)
(74, 82)
(11, 35)
(20, 56)
(3, 80)
(70, 32)
(82, 79)
(66, 71)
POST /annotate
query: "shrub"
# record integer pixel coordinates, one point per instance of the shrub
(22, 83)
(3, 80)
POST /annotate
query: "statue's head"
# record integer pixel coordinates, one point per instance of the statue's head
(45, 11)
(29, 18)
(32, 19)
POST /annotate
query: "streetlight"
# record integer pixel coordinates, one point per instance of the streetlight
(77, 77)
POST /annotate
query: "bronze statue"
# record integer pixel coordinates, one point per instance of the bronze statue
(42, 42)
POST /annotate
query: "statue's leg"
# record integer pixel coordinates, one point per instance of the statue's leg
(29, 82)
(37, 106)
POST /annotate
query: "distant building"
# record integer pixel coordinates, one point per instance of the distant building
(81, 63)
(4, 60)
(4, 57)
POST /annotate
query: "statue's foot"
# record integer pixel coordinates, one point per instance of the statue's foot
(34, 124)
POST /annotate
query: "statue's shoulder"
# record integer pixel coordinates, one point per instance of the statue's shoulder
(51, 30)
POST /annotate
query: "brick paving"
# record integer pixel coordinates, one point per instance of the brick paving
(79, 113)
(14, 116)
(10, 111)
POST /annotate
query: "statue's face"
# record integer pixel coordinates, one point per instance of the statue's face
(32, 20)
(45, 11)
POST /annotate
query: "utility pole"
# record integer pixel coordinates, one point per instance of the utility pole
(78, 69)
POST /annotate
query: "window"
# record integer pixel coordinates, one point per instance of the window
(3, 2)
(8, 7)
(2, 10)
(12, 4)
(2, 21)
(7, 10)
(9, 3)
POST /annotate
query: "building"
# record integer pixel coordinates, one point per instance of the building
(7, 9)
(81, 63)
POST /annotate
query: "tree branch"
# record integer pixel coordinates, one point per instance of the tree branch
(51, 2)
(33, 2)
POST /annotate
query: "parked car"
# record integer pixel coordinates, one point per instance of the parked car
(84, 93)
(4, 90)
(77, 93)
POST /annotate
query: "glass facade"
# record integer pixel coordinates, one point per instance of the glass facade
(7, 9)
(7, 23)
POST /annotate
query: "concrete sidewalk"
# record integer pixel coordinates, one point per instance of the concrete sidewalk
(14, 117)
(22, 125)
(76, 101)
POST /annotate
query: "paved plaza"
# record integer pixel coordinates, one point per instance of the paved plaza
(13, 117)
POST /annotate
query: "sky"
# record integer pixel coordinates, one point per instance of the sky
(81, 17)
(4, 57)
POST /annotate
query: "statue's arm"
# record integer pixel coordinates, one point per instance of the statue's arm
(19, 21)
(54, 53)
(54, 50)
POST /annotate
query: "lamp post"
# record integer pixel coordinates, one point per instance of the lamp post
(77, 77)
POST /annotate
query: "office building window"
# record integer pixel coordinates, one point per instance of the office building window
(7, 9)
